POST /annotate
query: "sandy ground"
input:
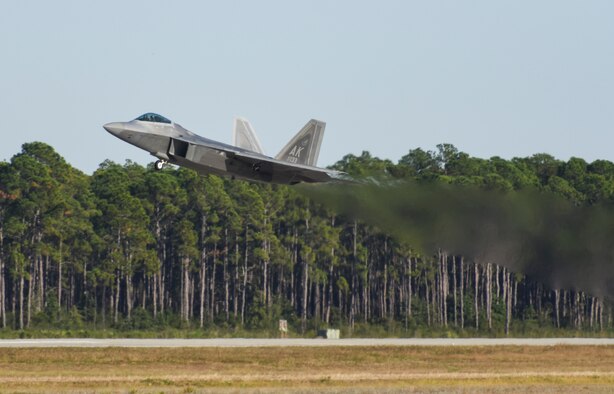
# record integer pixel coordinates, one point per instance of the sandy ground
(301, 342)
(384, 368)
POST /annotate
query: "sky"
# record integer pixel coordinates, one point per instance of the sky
(494, 78)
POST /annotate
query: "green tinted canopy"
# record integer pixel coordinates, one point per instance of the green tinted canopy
(151, 117)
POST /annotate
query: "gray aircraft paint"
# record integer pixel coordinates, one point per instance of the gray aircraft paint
(244, 136)
(304, 148)
(170, 142)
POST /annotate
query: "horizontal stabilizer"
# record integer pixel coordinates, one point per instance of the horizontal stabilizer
(304, 148)
(243, 136)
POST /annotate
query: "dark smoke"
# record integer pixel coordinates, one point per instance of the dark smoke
(534, 233)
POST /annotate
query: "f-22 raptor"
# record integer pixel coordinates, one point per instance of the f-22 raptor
(171, 143)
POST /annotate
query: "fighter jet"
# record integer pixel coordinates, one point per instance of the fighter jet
(171, 143)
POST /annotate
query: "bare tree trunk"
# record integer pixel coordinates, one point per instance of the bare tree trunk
(145, 290)
(226, 276)
(202, 291)
(265, 265)
(462, 294)
(71, 292)
(192, 283)
(212, 282)
(33, 289)
(2, 281)
(154, 295)
(365, 296)
(329, 298)
(434, 301)
(41, 283)
(438, 294)
(564, 304)
(293, 301)
(29, 301)
(235, 295)
(21, 284)
(160, 254)
(323, 303)
(476, 275)
(557, 294)
(341, 298)
(186, 291)
(454, 290)
(129, 294)
(393, 299)
(444, 288)
(60, 275)
(14, 291)
(292, 292)
(581, 308)
(428, 308)
(497, 285)
(243, 295)
(409, 288)
(504, 286)
(116, 299)
(161, 290)
(600, 314)
(353, 289)
(508, 300)
(304, 298)
(489, 294)
(104, 305)
(2, 286)
(593, 312)
(384, 299)
(29, 304)
(316, 302)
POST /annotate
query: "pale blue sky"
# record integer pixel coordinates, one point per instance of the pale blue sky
(507, 78)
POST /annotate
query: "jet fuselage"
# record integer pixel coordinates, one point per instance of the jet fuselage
(171, 143)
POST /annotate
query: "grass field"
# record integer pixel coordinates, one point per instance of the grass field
(335, 369)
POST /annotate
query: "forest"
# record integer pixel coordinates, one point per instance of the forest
(132, 248)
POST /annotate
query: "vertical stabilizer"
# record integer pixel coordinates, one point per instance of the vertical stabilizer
(243, 136)
(304, 148)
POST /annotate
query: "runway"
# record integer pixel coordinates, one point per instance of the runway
(298, 342)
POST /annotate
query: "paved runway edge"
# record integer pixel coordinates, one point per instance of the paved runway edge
(301, 342)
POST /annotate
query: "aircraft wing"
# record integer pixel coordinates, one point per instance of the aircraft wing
(279, 169)
(210, 156)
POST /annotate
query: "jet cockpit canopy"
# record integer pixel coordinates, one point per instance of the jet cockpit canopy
(151, 117)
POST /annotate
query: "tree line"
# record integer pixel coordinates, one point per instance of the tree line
(130, 247)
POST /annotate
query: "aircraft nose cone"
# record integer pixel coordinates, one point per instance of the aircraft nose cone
(114, 128)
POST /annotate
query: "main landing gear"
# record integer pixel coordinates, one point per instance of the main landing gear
(159, 165)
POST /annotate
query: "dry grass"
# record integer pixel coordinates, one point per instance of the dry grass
(490, 369)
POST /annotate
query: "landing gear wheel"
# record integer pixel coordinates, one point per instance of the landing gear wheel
(159, 165)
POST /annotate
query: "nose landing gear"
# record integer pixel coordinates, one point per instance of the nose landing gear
(159, 165)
